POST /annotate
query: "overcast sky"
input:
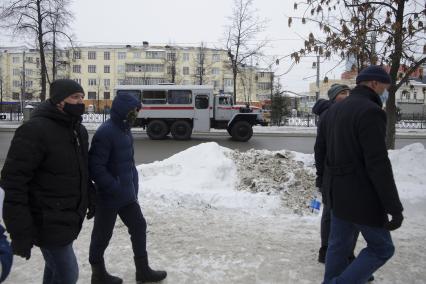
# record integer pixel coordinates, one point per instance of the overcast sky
(189, 22)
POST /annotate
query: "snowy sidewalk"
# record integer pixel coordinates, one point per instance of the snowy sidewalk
(202, 230)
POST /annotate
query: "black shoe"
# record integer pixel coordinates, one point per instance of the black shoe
(371, 279)
(145, 274)
(101, 276)
(321, 254)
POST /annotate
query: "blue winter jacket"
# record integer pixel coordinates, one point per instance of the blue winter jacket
(111, 157)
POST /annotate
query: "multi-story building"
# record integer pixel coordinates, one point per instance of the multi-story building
(100, 68)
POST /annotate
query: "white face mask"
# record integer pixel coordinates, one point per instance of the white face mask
(384, 96)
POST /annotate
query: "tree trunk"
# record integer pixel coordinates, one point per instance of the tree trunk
(234, 73)
(395, 63)
(41, 50)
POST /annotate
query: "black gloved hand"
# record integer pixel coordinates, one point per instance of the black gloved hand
(394, 223)
(91, 211)
(22, 248)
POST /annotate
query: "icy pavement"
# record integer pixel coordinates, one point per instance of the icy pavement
(202, 229)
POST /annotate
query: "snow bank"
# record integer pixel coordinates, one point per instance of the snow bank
(203, 175)
(409, 168)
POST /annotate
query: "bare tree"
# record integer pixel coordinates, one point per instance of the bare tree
(202, 65)
(241, 36)
(31, 18)
(387, 32)
(170, 61)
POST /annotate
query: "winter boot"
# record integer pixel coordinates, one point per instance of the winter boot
(145, 274)
(321, 254)
(101, 276)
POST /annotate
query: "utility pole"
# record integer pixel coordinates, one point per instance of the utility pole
(1, 93)
(23, 81)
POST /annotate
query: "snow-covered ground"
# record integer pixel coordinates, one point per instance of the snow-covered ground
(220, 216)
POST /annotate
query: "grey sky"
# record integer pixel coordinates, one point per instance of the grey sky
(189, 22)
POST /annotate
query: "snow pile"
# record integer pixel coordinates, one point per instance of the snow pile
(409, 165)
(276, 173)
(201, 176)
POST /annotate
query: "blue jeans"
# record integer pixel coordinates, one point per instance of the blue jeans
(61, 265)
(337, 267)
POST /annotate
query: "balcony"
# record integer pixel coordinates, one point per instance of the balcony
(411, 101)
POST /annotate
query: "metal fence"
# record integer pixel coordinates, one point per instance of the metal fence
(410, 121)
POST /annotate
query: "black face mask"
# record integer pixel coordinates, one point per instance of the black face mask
(75, 110)
(131, 117)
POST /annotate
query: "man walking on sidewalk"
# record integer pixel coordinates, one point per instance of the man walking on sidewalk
(358, 181)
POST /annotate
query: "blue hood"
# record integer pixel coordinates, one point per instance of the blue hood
(121, 106)
(320, 106)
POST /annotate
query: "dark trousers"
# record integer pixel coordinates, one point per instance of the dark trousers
(60, 265)
(338, 269)
(325, 229)
(105, 218)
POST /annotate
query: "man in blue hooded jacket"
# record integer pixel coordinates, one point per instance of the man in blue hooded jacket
(112, 168)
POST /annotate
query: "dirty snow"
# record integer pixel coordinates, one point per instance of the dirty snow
(220, 216)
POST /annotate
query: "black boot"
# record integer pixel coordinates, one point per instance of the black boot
(145, 274)
(101, 276)
(321, 254)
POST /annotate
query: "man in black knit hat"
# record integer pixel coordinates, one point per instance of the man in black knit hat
(358, 181)
(45, 179)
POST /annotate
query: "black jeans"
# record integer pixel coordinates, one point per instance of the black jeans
(105, 218)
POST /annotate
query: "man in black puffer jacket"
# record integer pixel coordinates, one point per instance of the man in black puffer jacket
(358, 181)
(45, 178)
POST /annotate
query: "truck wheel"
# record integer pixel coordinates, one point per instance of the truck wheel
(181, 130)
(157, 129)
(241, 131)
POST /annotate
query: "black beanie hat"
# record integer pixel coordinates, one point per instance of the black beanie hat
(373, 73)
(62, 88)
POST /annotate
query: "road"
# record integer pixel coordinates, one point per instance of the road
(147, 151)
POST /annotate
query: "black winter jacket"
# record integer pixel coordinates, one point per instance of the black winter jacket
(45, 178)
(358, 176)
(320, 108)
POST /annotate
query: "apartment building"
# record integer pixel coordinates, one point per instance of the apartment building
(100, 68)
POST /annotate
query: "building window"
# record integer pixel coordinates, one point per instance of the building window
(107, 95)
(185, 70)
(28, 84)
(16, 59)
(15, 96)
(78, 80)
(228, 82)
(29, 72)
(215, 84)
(76, 69)
(171, 56)
(91, 95)
(200, 57)
(29, 59)
(264, 86)
(107, 82)
(106, 69)
(200, 71)
(107, 55)
(92, 82)
(144, 68)
(121, 55)
(91, 68)
(91, 55)
(76, 54)
(120, 69)
(16, 72)
(215, 71)
(155, 54)
(185, 57)
(136, 54)
(215, 57)
(16, 84)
